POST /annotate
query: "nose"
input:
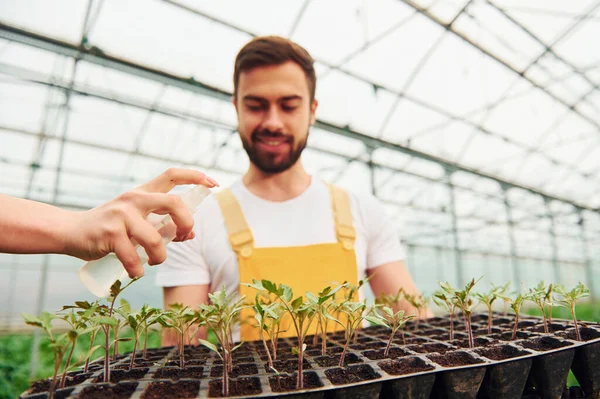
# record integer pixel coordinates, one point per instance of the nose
(272, 120)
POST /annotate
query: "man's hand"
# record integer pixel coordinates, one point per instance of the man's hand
(109, 227)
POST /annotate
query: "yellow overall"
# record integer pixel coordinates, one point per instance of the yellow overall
(303, 268)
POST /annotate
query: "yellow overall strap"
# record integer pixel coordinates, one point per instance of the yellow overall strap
(340, 203)
(240, 236)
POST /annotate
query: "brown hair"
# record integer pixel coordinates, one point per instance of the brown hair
(274, 50)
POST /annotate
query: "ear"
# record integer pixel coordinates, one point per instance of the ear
(313, 110)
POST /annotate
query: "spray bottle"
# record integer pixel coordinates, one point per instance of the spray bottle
(98, 275)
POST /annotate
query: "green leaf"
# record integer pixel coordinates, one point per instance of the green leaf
(287, 293)
(377, 321)
(209, 345)
(312, 297)
(105, 320)
(83, 304)
(297, 303)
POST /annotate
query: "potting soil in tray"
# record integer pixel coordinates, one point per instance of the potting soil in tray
(425, 367)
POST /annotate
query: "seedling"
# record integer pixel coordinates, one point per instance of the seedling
(541, 295)
(355, 312)
(220, 316)
(569, 299)
(322, 301)
(419, 302)
(57, 343)
(302, 314)
(462, 300)
(106, 320)
(137, 322)
(391, 320)
(181, 318)
(515, 304)
(86, 313)
(488, 300)
(262, 313)
(444, 297)
(124, 311)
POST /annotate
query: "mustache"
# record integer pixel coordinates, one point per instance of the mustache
(264, 133)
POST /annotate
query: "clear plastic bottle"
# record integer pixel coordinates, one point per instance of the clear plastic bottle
(99, 275)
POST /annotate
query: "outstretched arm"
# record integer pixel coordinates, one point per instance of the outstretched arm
(31, 227)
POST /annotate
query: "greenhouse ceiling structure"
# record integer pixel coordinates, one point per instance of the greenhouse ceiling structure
(476, 123)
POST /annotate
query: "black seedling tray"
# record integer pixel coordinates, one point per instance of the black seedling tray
(536, 365)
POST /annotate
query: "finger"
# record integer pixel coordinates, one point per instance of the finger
(175, 176)
(147, 236)
(126, 254)
(163, 204)
(190, 236)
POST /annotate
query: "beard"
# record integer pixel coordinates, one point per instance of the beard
(272, 163)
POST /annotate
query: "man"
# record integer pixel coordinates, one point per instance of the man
(278, 222)
(32, 227)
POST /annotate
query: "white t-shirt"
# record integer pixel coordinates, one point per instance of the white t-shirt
(304, 220)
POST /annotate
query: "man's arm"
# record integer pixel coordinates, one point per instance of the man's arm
(190, 295)
(389, 278)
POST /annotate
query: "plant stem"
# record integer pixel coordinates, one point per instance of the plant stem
(575, 322)
(53, 382)
(343, 355)
(92, 339)
(107, 356)
(146, 344)
(469, 330)
(135, 342)
(181, 349)
(225, 373)
(514, 333)
(300, 380)
(266, 349)
(451, 327)
(63, 380)
(387, 348)
(489, 321)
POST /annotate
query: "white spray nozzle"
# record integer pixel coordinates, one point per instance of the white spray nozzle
(99, 275)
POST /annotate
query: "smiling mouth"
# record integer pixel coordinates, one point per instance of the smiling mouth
(271, 141)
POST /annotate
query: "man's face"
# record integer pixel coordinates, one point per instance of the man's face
(274, 113)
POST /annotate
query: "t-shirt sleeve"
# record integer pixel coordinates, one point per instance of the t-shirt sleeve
(184, 264)
(383, 242)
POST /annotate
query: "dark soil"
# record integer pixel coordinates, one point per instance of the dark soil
(501, 352)
(454, 359)
(175, 373)
(125, 366)
(554, 327)
(526, 323)
(287, 366)
(587, 334)
(237, 360)
(288, 382)
(330, 361)
(378, 354)
(240, 369)
(405, 366)
(446, 336)
(507, 335)
(409, 340)
(58, 394)
(240, 386)
(370, 345)
(105, 391)
(171, 390)
(363, 372)
(544, 344)
(484, 331)
(330, 351)
(122, 375)
(44, 385)
(431, 331)
(432, 348)
(478, 342)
